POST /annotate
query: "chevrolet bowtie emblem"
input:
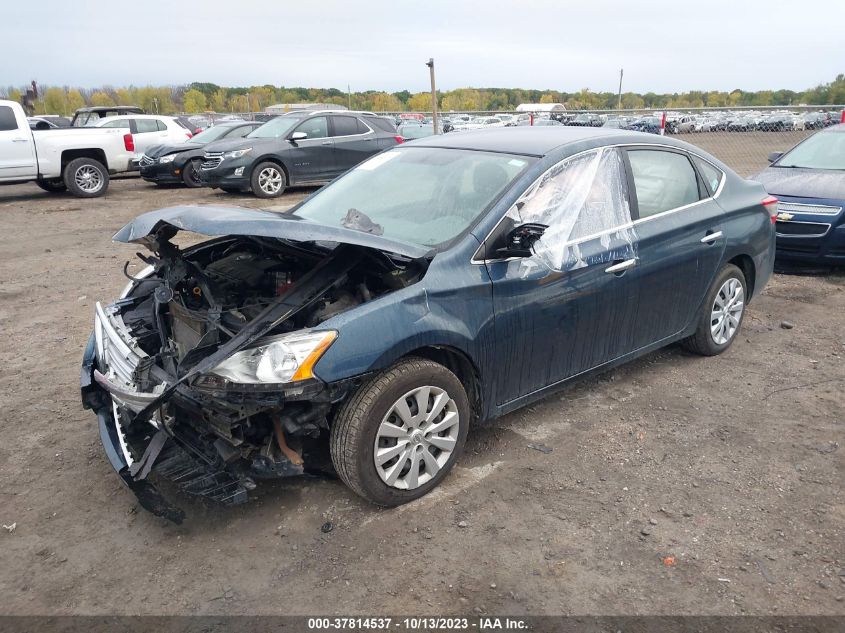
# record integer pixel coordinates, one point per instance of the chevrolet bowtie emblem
(785, 217)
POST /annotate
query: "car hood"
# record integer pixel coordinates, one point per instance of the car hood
(239, 143)
(220, 221)
(157, 151)
(803, 183)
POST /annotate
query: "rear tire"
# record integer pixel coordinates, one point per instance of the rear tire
(721, 314)
(53, 185)
(268, 180)
(191, 174)
(86, 178)
(382, 412)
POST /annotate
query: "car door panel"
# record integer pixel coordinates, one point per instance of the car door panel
(17, 151)
(561, 312)
(310, 159)
(353, 141)
(679, 248)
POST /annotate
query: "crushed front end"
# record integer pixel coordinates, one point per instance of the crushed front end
(201, 373)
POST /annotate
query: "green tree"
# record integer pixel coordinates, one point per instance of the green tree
(193, 101)
(100, 98)
(420, 102)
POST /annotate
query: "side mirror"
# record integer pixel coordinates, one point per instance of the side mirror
(298, 136)
(774, 156)
(521, 239)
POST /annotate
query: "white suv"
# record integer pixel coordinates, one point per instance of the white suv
(148, 130)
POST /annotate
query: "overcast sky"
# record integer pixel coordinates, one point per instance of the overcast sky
(564, 45)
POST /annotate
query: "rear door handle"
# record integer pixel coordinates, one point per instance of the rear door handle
(19, 140)
(711, 237)
(621, 267)
(326, 143)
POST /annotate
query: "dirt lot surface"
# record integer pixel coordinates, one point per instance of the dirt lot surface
(673, 485)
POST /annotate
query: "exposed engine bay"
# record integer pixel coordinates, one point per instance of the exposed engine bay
(177, 413)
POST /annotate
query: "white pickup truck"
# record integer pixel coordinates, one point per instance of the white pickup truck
(78, 160)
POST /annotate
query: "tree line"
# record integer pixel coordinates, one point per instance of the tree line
(202, 97)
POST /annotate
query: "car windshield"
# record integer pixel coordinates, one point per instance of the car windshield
(424, 195)
(821, 151)
(274, 128)
(211, 134)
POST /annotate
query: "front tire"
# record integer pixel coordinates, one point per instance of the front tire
(86, 178)
(268, 180)
(53, 185)
(191, 174)
(721, 315)
(401, 433)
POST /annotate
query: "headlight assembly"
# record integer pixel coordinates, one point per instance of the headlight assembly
(237, 153)
(280, 359)
(167, 159)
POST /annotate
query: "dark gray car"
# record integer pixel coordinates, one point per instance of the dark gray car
(300, 148)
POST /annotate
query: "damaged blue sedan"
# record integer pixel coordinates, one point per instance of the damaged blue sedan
(437, 285)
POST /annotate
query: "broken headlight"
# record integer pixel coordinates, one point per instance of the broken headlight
(279, 359)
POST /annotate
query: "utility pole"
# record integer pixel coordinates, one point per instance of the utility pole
(619, 100)
(430, 64)
(348, 97)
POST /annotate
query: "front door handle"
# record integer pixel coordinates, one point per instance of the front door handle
(711, 237)
(19, 140)
(326, 143)
(621, 267)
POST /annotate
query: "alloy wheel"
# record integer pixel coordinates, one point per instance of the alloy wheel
(726, 312)
(270, 180)
(88, 178)
(416, 437)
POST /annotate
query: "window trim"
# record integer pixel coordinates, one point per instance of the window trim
(478, 255)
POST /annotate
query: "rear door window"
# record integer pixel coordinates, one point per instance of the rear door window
(146, 125)
(663, 180)
(345, 125)
(7, 119)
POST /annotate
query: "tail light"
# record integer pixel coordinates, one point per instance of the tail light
(770, 203)
(197, 131)
(128, 143)
(399, 139)
(188, 134)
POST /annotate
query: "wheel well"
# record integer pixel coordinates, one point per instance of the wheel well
(459, 364)
(746, 265)
(271, 159)
(72, 154)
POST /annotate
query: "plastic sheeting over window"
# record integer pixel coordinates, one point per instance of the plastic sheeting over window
(580, 200)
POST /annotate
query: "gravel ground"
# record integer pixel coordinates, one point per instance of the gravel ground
(673, 485)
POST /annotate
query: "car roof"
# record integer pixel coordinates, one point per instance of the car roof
(530, 141)
(136, 116)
